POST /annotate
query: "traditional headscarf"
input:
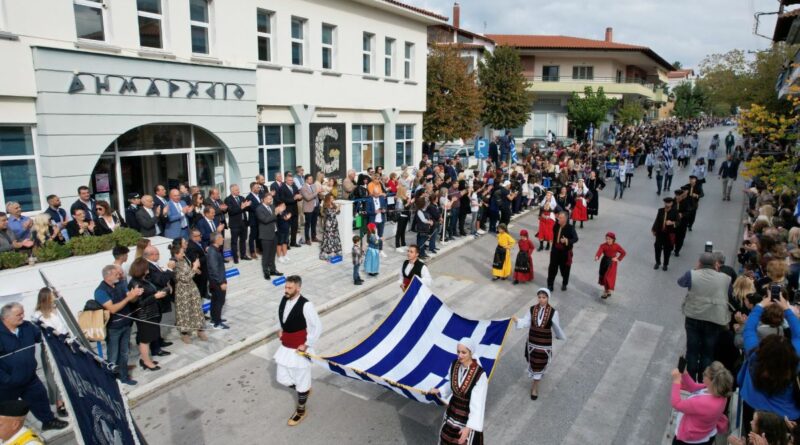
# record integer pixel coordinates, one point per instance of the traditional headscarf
(545, 290)
(469, 344)
(371, 227)
(523, 232)
(611, 235)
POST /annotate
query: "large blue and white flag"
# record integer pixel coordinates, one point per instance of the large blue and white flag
(411, 351)
(666, 151)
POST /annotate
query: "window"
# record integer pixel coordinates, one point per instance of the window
(150, 23)
(550, 74)
(264, 32)
(367, 146)
(404, 144)
(469, 61)
(328, 46)
(199, 16)
(388, 58)
(90, 19)
(298, 41)
(408, 61)
(367, 48)
(583, 72)
(619, 76)
(276, 149)
(18, 168)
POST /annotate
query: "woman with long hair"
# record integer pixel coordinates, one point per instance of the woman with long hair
(147, 315)
(501, 264)
(331, 244)
(188, 304)
(48, 316)
(198, 207)
(107, 220)
(42, 231)
(401, 206)
(142, 244)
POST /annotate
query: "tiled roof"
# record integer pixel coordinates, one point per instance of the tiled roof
(418, 10)
(679, 74)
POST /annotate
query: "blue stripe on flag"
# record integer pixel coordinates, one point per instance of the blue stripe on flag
(459, 327)
(495, 333)
(380, 334)
(424, 367)
(410, 338)
(337, 369)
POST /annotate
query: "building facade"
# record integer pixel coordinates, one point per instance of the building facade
(121, 96)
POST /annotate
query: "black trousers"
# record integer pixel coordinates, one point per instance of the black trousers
(663, 245)
(201, 281)
(680, 236)
(295, 221)
(35, 394)
(558, 263)
(400, 236)
(239, 242)
(217, 302)
(310, 226)
(267, 256)
(462, 220)
(252, 239)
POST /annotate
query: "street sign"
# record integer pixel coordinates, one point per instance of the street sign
(481, 149)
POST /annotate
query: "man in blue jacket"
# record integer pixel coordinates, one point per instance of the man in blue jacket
(18, 378)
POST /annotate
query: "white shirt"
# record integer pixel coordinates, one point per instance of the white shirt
(525, 322)
(179, 207)
(313, 323)
(53, 321)
(378, 216)
(151, 213)
(477, 400)
(211, 224)
(425, 274)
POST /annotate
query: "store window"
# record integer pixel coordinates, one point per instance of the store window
(404, 144)
(367, 146)
(151, 19)
(276, 150)
(90, 17)
(200, 21)
(18, 168)
(264, 32)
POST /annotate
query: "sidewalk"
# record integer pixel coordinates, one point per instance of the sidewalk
(251, 308)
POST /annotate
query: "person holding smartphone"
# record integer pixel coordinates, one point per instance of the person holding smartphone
(701, 416)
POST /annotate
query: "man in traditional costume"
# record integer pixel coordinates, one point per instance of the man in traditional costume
(464, 389)
(412, 267)
(664, 231)
(300, 329)
(542, 319)
(683, 205)
(695, 190)
(609, 254)
(564, 237)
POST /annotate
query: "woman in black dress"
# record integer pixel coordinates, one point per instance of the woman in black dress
(147, 315)
(594, 183)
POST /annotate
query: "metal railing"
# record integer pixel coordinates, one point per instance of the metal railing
(617, 80)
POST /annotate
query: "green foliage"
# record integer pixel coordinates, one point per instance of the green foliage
(454, 103)
(678, 65)
(592, 108)
(51, 251)
(779, 176)
(630, 113)
(690, 100)
(87, 245)
(125, 237)
(504, 89)
(12, 260)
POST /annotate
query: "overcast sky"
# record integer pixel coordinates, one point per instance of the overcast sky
(682, 30)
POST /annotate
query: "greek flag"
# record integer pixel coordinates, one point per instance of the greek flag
(410, 352)
(666, 151)
(514, 159)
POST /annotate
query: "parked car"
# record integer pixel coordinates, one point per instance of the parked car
(453, 149)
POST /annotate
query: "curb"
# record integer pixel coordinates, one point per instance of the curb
(142, 393)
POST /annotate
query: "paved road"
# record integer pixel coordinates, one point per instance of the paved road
(608, 383)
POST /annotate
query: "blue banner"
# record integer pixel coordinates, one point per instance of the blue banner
(98, 406)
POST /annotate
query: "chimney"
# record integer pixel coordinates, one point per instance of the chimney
(609, 34)
(456, 15)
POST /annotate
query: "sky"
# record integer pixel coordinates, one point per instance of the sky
(678, 30)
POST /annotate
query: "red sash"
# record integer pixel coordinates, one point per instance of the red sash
(407, 281)
(293, 339)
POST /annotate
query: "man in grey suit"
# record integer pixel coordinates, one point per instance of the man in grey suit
(148, 217)
(267, 217)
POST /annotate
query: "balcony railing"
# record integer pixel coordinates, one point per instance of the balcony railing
(601, 80)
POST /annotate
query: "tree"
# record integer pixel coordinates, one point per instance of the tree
(690, 100)
(504, 89)
(454, 103)
(592, 108)
(630, 112)
(677, 64)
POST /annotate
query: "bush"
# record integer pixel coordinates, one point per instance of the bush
(125, 237)
(87, 245)
(51, 251)
(12, 260)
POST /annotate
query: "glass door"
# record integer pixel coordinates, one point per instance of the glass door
(104, 183)
(140, 174)
(210, 170)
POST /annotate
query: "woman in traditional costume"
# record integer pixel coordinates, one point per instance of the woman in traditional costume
(523, 267)
(501, 266)
(594, 184)
(609, 254)
(542, 319)
(464, 390)
(581, 195)
(547, 219)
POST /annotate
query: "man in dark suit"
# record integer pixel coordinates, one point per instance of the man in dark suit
(238, 223)
(220, 208)
(564, 239)
(255, 200)
(217, 282)
(695, 189)
(664, 231)
(85, 203)
(208, 225)
(134, 202)
(162, 279)
(266, 214)
(262, 185)
(160, 201)
(147, 218)
(292, 206)
(196, 251)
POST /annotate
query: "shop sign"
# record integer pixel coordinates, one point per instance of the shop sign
(155, 86)
(328, 149)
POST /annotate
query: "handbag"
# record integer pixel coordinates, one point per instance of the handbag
(93, 324)
(499, 257)
(359, 221)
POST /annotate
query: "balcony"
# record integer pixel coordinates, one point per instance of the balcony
(611, 85)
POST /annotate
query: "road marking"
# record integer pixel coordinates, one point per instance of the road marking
(605, 410)
(515, 404)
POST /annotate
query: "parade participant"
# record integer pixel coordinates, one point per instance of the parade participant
(565, 200)
(372, 260)
(581, 196)
(683, 206)
(695, 189)
(542, 319)
(501, 266)
(564, 237)
(464, 389)
(300, 329)
(664, 231)
(412, 266)
(594, 184)
(609, 254)
(12, 424)
(523, 267)
(547, 220)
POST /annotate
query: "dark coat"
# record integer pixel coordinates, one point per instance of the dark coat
(266, 222)
(237, 217)
(18, 369)
(147, 224)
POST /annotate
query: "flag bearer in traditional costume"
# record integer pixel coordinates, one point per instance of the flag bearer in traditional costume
(300, 329)
(547, 219)
(609, 254)
(501, 266)
(564, 238)
(464, 390)
(412, 267)
(542, 319)
(523, 267)
(581, 195)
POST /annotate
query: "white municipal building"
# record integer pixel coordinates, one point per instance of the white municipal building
(121, 95)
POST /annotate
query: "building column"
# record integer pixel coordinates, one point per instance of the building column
(302, 115)
(390, 116)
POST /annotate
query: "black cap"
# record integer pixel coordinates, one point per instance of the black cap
(14, 408)
(692, 176)
(134, 196)
(669, 199)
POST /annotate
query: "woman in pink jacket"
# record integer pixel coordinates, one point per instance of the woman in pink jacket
(700, 416)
